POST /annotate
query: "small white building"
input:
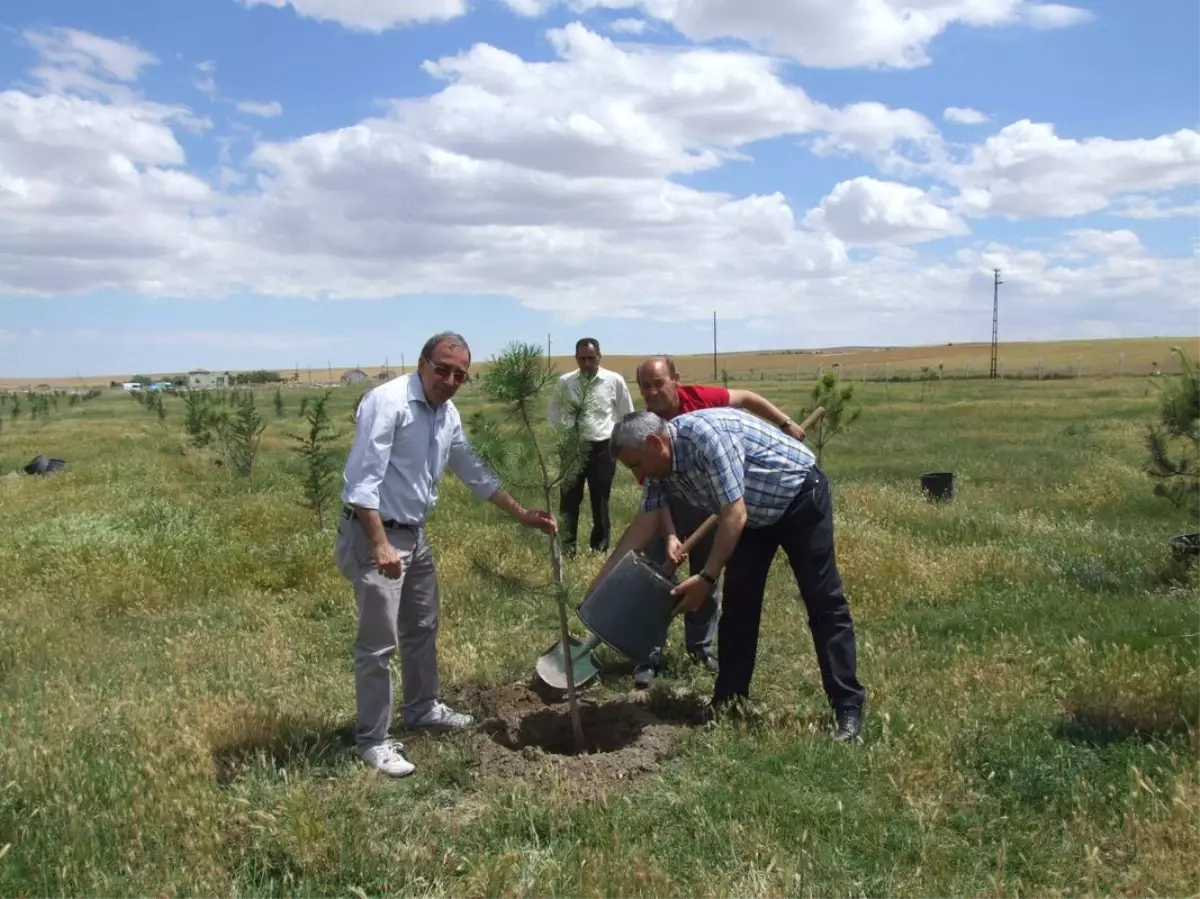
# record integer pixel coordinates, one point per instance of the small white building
(200, 379)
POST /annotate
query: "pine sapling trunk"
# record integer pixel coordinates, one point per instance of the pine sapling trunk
(560, 589)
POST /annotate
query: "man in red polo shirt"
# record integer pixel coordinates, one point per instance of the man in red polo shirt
(658, 380)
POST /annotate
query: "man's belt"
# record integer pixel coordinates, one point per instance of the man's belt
(390, 523)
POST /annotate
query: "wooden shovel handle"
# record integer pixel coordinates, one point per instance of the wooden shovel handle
(813, 417)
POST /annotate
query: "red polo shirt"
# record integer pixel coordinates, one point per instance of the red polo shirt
(700, 396)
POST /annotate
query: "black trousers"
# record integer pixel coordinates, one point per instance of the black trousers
(805, 533)
(599, 469)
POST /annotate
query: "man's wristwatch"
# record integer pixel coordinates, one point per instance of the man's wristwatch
(785, 424)
(706, 577)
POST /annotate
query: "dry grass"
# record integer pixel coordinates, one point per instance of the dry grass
(176, 692)
(1135, 356)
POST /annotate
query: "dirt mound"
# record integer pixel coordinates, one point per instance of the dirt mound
(526, 733)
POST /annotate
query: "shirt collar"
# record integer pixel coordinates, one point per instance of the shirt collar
(416, 392)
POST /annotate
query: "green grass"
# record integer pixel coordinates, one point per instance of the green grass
(176, 692)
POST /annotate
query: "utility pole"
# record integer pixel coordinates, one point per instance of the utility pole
(995, 320)
(714, 344)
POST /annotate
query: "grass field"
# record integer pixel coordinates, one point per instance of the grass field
(176, 692)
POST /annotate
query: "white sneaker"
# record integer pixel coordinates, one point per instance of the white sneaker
(388, 757)
(441, 717)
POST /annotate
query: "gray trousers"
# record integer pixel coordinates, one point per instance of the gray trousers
(699, 626)
(400, 613)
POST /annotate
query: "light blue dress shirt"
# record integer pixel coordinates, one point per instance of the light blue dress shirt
(402, 445)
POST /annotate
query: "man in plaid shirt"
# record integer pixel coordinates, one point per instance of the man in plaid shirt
(769, 494)
(658, 380)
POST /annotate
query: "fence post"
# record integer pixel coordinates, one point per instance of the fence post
(1079, 367)
(1120, 365)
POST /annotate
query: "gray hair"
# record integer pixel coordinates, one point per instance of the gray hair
(451, 337)
(632, 431)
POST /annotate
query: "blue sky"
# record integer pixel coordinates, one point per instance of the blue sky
(252, 183)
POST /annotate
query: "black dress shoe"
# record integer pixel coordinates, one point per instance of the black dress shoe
(849, 726)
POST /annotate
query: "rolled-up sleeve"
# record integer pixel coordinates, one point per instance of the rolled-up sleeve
(367, 462)
(468, 467)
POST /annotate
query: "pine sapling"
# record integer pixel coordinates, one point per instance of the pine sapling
(242, 436)
(840, 409)
(517, 380)
(321, 465)
(1173, 442)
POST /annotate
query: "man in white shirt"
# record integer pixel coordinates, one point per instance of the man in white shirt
(608, 401)
(407, 432)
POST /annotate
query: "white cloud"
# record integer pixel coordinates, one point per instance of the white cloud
(205, 78)
(964, 115)
(1094, 241)
(372, 15)
(1026, 170)
(629, 26)
(90, 53)
(267, 110)
(831, 33)
(551, 182)
(866, 211)
(1055, 15)
(1147, 207)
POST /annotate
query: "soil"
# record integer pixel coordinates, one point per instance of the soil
(525, 733)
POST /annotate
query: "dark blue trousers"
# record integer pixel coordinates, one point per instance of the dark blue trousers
(805, 534)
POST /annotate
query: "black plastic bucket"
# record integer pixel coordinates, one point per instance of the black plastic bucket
(938, 485)
(631, 609)
(41, 465)
(1185, 547)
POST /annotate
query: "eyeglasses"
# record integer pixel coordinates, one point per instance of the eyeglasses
(450, 372)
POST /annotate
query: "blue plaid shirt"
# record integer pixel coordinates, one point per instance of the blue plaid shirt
(724, 454)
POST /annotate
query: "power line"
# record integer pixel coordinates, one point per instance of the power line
(995, 320)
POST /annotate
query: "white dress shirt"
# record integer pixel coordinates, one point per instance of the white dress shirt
(609, 401)
(401, 447)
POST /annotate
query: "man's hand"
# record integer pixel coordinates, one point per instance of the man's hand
(675, 550)
(539, 518)
(387, 560)
(794, 430)
(690, 593)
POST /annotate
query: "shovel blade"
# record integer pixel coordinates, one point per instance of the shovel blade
(552, 665)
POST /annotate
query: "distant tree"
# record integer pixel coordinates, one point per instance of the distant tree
(278, 403)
